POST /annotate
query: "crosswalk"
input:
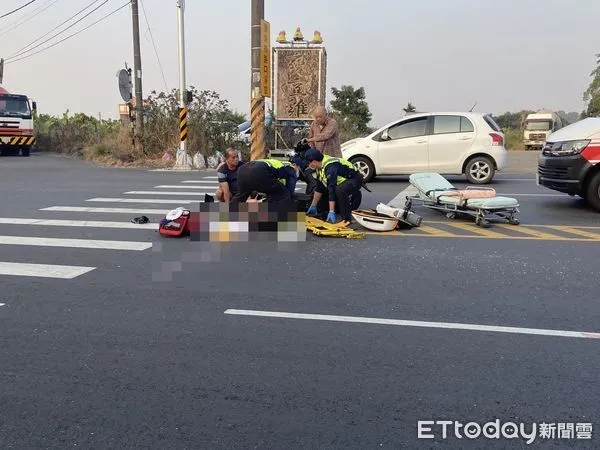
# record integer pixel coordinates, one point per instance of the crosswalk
(69, 241)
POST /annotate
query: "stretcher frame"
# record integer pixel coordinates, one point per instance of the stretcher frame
(483, 216)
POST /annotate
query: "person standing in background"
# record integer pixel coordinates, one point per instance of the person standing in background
(324, 134)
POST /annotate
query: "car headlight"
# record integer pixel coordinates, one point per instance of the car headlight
(567, 148)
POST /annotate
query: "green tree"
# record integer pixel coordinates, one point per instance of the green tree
(351, 111)
(592, 95)
(512, 121)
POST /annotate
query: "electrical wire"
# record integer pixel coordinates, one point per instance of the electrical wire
(17, 9)
(154, 45)
(72, 35)
(28, 17)
(23, 51)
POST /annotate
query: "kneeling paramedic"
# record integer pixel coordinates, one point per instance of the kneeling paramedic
(339, 181)
(276, 179)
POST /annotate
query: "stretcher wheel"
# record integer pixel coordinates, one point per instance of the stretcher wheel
(482, 223)
(514, 221)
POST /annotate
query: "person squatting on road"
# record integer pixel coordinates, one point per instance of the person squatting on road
(338, 183)
(227, 176)
(276, 179)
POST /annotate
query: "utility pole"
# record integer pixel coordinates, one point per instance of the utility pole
(183, 112)
(137, 69)
(257, 103)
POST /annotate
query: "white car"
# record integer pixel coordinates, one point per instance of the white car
(448, 143)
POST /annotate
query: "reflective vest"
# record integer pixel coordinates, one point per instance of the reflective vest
(327, 160)
(276, 164)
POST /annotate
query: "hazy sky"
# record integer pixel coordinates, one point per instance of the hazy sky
(439, 54)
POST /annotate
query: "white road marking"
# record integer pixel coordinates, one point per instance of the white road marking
(2, 304)
(42, 270)
(213, 182)
(76, 223)
(414, 323)
(167, 193)
(199, 182)
(167, 186)
(143, 200)
(399, 200)
(74, 243)
(105, 210)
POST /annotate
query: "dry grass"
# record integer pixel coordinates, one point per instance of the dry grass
(513, 139)
(118, 151)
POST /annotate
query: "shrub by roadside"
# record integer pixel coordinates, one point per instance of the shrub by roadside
(212, 127)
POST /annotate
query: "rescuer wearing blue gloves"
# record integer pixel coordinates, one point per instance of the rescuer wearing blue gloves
(276, 179)
(338, 182)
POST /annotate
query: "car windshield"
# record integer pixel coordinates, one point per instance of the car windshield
(14, 106)
(538, 126)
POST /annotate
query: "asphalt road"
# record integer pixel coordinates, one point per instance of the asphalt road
(213, 356)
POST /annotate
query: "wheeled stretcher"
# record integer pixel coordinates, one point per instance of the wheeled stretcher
(435, 192)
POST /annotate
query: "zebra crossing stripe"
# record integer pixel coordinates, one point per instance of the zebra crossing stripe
(43, 270)
(83, 209)
(74, 243)
(77, 223)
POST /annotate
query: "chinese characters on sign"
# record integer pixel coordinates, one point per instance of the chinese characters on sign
(300, 82)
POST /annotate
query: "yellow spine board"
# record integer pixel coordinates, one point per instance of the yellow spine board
(321, 228)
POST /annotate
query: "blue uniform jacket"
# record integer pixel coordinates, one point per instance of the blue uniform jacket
(332, 172)
(289, 174)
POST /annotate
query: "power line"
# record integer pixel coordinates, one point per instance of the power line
(155, 50)
(17, 9)
(21, 52)
(29, 16)
(72, 35)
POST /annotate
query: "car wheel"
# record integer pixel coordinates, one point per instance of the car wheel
(593, 192)
(480, 170)
(365, 167)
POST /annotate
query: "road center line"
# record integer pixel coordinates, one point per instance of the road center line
(414, 323)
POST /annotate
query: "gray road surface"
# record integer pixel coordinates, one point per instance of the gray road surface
(112, 358)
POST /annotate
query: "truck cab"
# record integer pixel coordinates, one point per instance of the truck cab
(538, 126)
(16, 124)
